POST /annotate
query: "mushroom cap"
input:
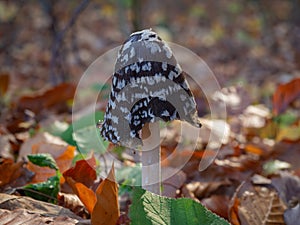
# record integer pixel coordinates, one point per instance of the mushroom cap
(147, 85)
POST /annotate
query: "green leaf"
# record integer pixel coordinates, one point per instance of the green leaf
(43, 160)
(274, 166)
(129, 177)
(45, 191)
(285, 119)
(148, 208)
(89, 139)
(85, 121)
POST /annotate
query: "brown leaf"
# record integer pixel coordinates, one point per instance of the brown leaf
(72, 202)
(106, 210)
(205, 189)
(233, 212)
(217, 204)
(285, 94)
(25, 210)
(86, 195)
(54, 98)
(4, 82)
(257, 205)
(84, 171)
(9, 171)
(46, 143)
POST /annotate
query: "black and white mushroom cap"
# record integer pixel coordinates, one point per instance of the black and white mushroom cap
(147, 85)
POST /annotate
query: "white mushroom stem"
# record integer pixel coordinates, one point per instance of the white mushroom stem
(151, 167)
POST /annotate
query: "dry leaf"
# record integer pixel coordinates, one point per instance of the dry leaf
(25, 210)
(4, 83)
(9, 171)
(54, 98)
(106, 210)
(84, 171)
(218, 204)
(253, 204)
(285, 94)
(46, 143)
(86, 195)
(72, 202)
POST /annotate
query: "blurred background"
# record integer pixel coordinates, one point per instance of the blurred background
(46, 42)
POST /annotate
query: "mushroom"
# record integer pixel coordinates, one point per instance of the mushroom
(148, 85)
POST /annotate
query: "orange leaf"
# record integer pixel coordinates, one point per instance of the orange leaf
(285, 94)
(41, 173)
(83, 172)
(233, 212)
(253, 149)
(9, 171)
(63, 155)
(86, 195)
(106, 210)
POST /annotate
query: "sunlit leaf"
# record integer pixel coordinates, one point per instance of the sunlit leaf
(45, 191)
(43, 160)
(130, 175)
(85, 121)
(9, 171)
(86, 195)
(272, 167)
(285, 94)
(53, 98)
(148, 208)
(84, 171)
(89, 139)
(291, 133)
(106, 210)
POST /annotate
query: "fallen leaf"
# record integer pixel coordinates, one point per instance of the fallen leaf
(25, 210)
(86, 195)
(205, 189)
(285, 94)
(233, 211)
(256, 204)
(290, 133)
(274, 166)
(218, 204)
(106, 210)
(4, 83)
(54, 98)
(46, 143)
(45, 191)
(288, 187)
(72, 202)
(9, 171)
(84, 171)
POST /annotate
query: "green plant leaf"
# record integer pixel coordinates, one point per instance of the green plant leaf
(129, 177)
(274, 166)
(148, 208)
(88, 139)
(45, 191)
(85, 121)
(43, 160)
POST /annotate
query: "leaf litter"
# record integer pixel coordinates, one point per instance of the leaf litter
(256, 171)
